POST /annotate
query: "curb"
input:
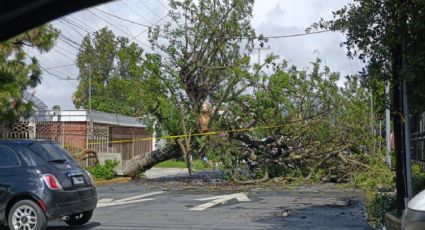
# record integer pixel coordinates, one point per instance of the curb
(118, 180)
(392, 222)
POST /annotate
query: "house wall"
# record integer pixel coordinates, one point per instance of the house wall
(71, 135)
(65, 133)
(130, 141)
(105, 138)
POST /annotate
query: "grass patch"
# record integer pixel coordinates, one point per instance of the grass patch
(196, 164)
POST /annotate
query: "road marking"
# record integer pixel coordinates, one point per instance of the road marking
(216, 200)
(101, 205)
(129, 200)
(141, 196)
(107, 200)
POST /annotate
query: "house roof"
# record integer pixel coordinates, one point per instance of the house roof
(86, 116)
(38, 104)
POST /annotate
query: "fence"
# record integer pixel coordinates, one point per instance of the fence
(22, 130)
(418, 137)
(78, 136)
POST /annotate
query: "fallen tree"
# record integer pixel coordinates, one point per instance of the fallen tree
(145, 161)
(203, 56)
(303, 123)
(315, 129)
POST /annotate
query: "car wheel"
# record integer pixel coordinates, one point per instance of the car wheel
(26, 215)
(79, 219)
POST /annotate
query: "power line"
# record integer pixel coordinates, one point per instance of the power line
(147, 7)
(75, 25)
(144, 31)
(69, 41)
(70, 52)
(66, 56)
(166, 6)
(295, 35)
(121, 18)
(88, 27)
(65, 23)
(134, 11)
(61, 66)
(255, 37)
(116, 26)
(57, 76)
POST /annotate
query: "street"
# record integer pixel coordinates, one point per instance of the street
(134, 206)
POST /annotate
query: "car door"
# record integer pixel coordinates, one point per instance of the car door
(9, 170)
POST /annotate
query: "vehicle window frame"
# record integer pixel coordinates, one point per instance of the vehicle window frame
(17, 158)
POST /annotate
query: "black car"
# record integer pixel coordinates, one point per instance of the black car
(39, 182)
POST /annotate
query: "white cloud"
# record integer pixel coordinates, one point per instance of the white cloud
(285, 17)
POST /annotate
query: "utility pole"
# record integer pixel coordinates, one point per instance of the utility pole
(372, 119)
(259, 57)
(90, 130)
(89, 92)
(259, 52)
(406, 114)
(408, 162)
(388, 124)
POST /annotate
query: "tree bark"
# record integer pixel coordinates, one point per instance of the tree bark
(145, 161)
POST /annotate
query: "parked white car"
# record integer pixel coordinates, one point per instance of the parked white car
(414, 215)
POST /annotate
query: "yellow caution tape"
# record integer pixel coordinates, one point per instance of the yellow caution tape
(190, 135)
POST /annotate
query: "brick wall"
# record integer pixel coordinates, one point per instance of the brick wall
(72, 135)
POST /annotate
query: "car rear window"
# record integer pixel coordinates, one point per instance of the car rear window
(50, 152)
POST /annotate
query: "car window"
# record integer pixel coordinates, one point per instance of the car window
(29, 156)
(8, 158)
(50, 152)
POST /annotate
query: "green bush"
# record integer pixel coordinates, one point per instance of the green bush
(418, 178)
(106, 171)
(277, 170)
(378, 204)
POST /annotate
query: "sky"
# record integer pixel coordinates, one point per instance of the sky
(270, 17)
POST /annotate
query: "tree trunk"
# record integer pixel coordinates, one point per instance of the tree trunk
(187, 153)
(189, 163)
(143, 162)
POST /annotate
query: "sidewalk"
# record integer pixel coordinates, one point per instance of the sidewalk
(155, 173)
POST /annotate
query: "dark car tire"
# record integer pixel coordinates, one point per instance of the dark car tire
(32, 210)
(79, 219)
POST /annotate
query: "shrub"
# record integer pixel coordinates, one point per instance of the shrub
(418, 178)
(380, 203)
(106, 171)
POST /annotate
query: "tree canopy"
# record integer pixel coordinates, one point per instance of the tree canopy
(388, 36)
(374, 31)
(19, 72)
(272, 118)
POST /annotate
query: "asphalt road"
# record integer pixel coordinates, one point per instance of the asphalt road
(133, 206)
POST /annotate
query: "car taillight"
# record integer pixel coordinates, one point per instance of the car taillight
(52, 182)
